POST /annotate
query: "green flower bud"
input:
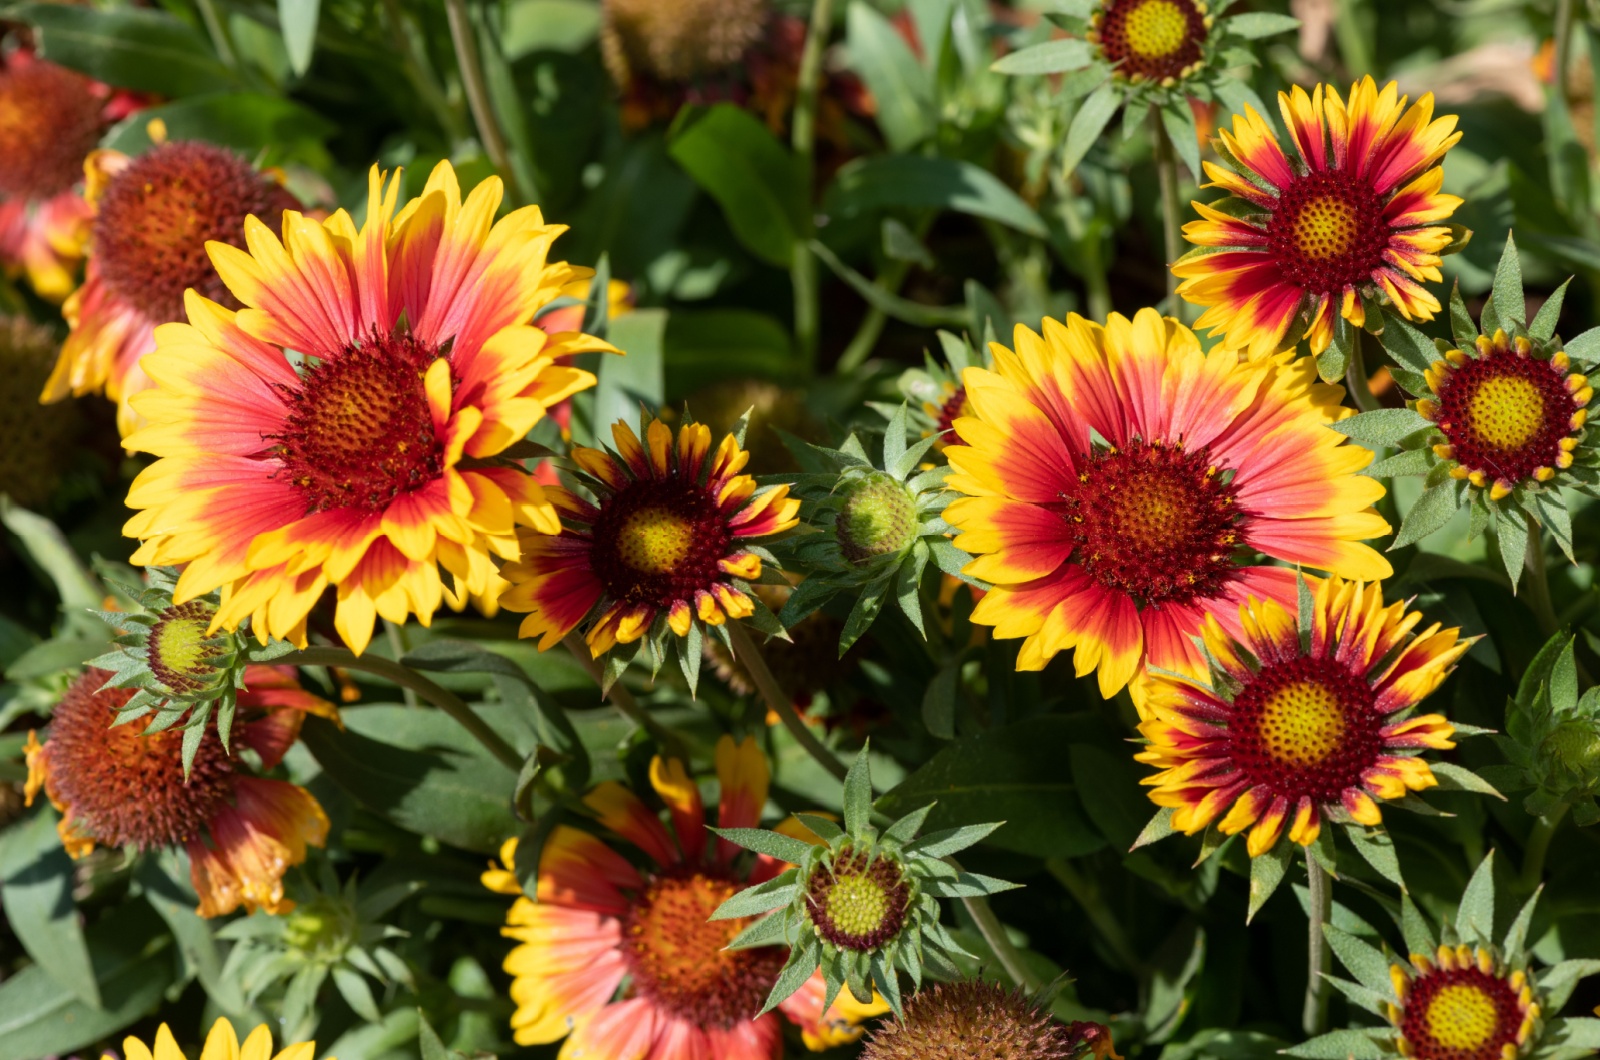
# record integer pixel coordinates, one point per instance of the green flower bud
(877, 517)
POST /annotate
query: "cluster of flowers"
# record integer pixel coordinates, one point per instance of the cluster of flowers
(341, 410)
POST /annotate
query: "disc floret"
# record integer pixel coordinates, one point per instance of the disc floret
(862, 905)
(976, 1019)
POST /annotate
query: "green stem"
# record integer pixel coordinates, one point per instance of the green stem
(866, 336)
(420, 74)
(803, 138)
(1533, 855)
(1352, 39)
(1088, 897)
(994, 933)
(1314, 1017)
(623, 699)
(1356, 382)
(1538, 582)
(218, 31)
(398, 644)
(779, 701)
(1562, 46)
(464, 37)
(1171, 210)
(408, 678)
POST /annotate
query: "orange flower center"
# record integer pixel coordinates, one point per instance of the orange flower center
(1328, 232)
(49, 122)
(1460, 1014)
(359, 430)
(154, 218)
(1156, 522)
(676, 955)
(860, 901)
(1505, 415)
(1152, 39)
(123, 787)
(657, 541)
(1305, 727)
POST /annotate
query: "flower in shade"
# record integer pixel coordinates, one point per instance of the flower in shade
(1121, 485)
(625, 963)
(1461, 993)
(38, 440)
(974, 1019)
(152, 219)
(339, 430)
(1300, 723)
(1351, 223)
(662, 548)
(116, 787)
(221, 1044)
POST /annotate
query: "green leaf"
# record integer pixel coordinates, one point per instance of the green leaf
(248, 121)
(857, 795)
(803, 960)
(1409, 462)
(734, 157)
(1452, 777)
(762, 841)
(1119, 806)
(1051, 57)
(762, 898)
(902, 831)
(1431, 511)
(1515, 944)
(1368, 965)
(420, 770)
(967, 885)
(1511, 534)
(1415, 927)
(863, 614)
(1576, 1033)
(1377, 848)
(48, 546)
(1543, 327)
(1585, 349)
(1177, 121)
(899, 85)
(165, 879)
(700, 344)
(1410, 347)
(1461, 323)
(1475, 916)
(893, 305)
(626, 382)
(37, 896)
(953, 840)
(769, 931)
(1339, 1045)
(1012, 772)
(1159, 827)
(1092, 116)
(142, 49)
(428, 1040)
(298, 21)
(939, 700)
(1557, 982)
(1509, 301)
(916, 181)
(1259, 24)
(1381, 426)
(1266, 873)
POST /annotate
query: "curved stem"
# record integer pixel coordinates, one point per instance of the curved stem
(778, 701)
(803, 138)
(1533, 855)
(1314, 1017)
(994, 933)
(1538, 582)
(1562, 46)
(420, 75)
(218, 31)
(408, 678)
(1171, 211)
(1355, 379)
(621, 698)
(464, 37)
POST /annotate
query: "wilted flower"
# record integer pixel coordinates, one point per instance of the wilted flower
(974, 1019)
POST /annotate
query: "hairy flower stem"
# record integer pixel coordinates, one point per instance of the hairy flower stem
(464, 37)
(623, 699)
(1562, 46)
(994, 933)
(1314, 1018)
(803, 138)
(1171, 211)
(1355, 378)
(1538, 582)
(1533, 855)
(779, 701)
(408, 678)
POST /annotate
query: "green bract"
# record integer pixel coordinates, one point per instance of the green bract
(1552, 738)
(863, 905)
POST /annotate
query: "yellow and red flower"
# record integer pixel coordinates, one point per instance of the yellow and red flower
(115, 787)
(625, 963)
(1120, 483)
(661, 540)
(322, 435)
(1291, 732)
(1151, 40)
(1463, 1005)
(221, 1044)
(1352, 220)
(152, 219)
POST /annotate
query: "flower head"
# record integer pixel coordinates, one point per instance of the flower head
(153, 218)
(1461, 1004)
(1351, 222)
(1152, 40)
(221, 1044)
(936, 395)
(679, 40)
(974, 1019)
(338, 431)
(661, 548)
(1300, 723)
(117, 787)
(1121, 484)
(650, 929)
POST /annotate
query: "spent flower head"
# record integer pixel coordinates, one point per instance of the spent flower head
(864, 904)
(976, 1019)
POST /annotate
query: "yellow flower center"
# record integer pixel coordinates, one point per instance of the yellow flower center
(1156, 28)
(857, 904)
(1325, 228)
(1462, 1016)
(182, 646)
(1302, 724)
(1506, 411)
(654, 540)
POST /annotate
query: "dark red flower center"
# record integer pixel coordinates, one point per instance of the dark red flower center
(359, 431)
(954, 407)
(1154, 39)
(859, 901)
(1305, 727)
(1460, 1014)
(676, 954)
(50, 119)
(179, 651)
(1157, 522)
(657, 541)
(155, 217)
(1328, 232)
(1506, 414)
(124, 787)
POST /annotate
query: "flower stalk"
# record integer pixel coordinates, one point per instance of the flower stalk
(1319, 959)
(803, 139)
(778, 701)
(1171, 211)
(463, 36)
